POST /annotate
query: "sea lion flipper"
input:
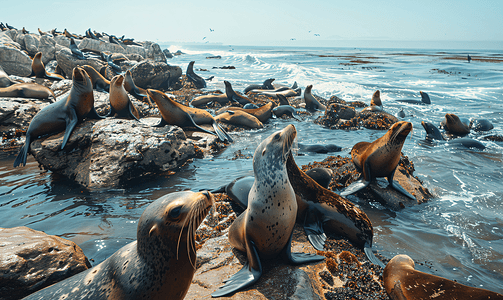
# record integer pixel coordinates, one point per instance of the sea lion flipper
(314, 229)
(93, 114)
(355, 187)
(371, 256)
(23, 153)
(71, 122)
(244, 277)
(397, 186)
(300, 258)
(222, 134)
(134, 112)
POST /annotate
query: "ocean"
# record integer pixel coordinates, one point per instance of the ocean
(458, 234)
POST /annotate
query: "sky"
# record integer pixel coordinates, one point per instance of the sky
(296, 23)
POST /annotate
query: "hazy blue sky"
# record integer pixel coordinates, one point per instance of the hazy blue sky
(271, 22)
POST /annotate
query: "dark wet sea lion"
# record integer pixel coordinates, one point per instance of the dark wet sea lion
(239, 118)
(5, 80)
(198, 81)
(432, 132)
(285, 110)
(63, 114)
(28, 90)
(174, 113)
(311, 102)
(135, 91)
(250, 106)
(403, 282)
(120, 104)
(160, 264)
(262, 113)
(318, 148)
(38, 69)
(75, 50)
(282, 100)
(233, 96)
(323, 176)
(453, 124)
(380, 158)
(266, 85)
(425, 99)
(400, 114)
(264, 230)
(100, 83)
(465, 143)
(481, 125)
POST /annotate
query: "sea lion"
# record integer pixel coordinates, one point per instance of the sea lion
(311, 102)
(38, 69)
(250, 106)
(403, 282)
(100, 83)
(286, 93)
(380, 158)
(282, 100)
(69, 35)
(229, 96)
(160, 264)
(120, 104)
(75, 50)
(5, 80)
(400, 114)
(198, 81)
(28, 90)
(318, 148)
(134, 90)
(425, 99)
(481, 125)
(265, 228)
(239, 118)
(233, 96)
(453, 124)
(262, 113)
(266, 85)
(375, 102)
(432, 132)
(63, 114)
(285, 110)
(323, 176)
(175, 113)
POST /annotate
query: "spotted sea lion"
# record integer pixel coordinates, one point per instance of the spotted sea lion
(403, 282)
(100, 83)
(264, 230)
(63, 114)
(5, 80)
(266, 85)
(425, 99)
(453, 124)
(174, 113)
(239, 118)
(28, 90)
(198, 81)
(135, 91)
(262, 113)
(160, 264)
(311, 102)
(120, 104)
(38, 69)
(380, 158)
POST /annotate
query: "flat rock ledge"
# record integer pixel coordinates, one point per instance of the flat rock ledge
(110, 152)
(31, 260)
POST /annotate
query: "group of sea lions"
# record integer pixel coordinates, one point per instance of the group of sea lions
(161, 263)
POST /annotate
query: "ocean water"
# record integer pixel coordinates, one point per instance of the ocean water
(458, 234)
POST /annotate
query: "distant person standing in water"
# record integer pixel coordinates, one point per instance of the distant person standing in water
(469, 58)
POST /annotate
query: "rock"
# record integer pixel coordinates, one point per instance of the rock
(345, 173)
(14, 61)
(6, 40)
(376, 120)
(167, 53)
(18, 112)
(67, 62)
(99, 46)
(135, 56)
(137, 50)
(155, 75)
(64, 41)
(342, 116)
(155, 53)
(48, 47)
(28, 42)
(31, 260)
(108, 152)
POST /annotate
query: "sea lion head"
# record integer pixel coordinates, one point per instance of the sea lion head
(158, 96)
(268, 83)
(376, 99)
(398, 132)
(168, 225)
(117, 80)
(275, 148)
(81, 79)
(394, 270)
(425, 98)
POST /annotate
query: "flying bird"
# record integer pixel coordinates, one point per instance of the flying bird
(293, 39)
(204, 38)
(316, 34)
(211, 30)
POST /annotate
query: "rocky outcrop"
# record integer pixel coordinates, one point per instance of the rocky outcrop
(12, 59)
(67, 62)
(155, 75)
(109, 152)
(18, 112)
(31, 260)
(156, 54)
(100, 46)
(343, 116)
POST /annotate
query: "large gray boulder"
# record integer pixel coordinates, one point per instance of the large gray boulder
(29, 42)
(155, 75)
(155, 53)
(48, 47)
(18, 112)
(14, 61)
(6, 40)
(67, 61)
(109, 152)
(100, 46)
(31, 260)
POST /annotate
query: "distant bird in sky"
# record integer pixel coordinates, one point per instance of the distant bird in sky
(204, 38)
(211, 30)
(293, 39)
(316, 34)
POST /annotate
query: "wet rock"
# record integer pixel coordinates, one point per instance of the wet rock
(109, 152)
(31, 260)
(135, 57)
(341, 116)
(155, 53)
(16, 113)
(67, 62)
(167, 53)
(14, 61)
(345, 173)
(155, 75)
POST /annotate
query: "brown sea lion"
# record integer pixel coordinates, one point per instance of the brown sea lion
(454, 125)
(120, 105)
(380, 158)
(38, 69)
(262, 113)
(135, 91)
(160, 264)
(5, 80)
(100, 83)
(375, 103)
(239, 118)
(264, 230)
(403, 282)
(311, 102)
(286, 93)
(266, 85)
(28, 90)
(229, 96)
(63, 114)
(174, 113)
